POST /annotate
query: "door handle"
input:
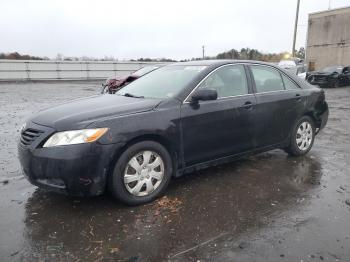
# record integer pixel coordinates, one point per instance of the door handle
(248, 105)
(298, 97)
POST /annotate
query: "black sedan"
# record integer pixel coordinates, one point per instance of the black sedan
(333, 76)
(177, 119)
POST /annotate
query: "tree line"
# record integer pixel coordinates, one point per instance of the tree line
(244, 53)
(254, 54)
(17, 56)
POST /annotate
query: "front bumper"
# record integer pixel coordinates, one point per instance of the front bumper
(78, 170)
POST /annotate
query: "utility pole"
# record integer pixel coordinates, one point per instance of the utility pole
(329, 5)
(203, 50)
(295, 28)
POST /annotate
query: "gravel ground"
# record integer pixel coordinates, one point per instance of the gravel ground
(269, 207)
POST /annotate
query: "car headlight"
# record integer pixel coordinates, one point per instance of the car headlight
(75, 137)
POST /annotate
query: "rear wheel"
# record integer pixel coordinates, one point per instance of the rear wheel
(302, 137)
(141, 174)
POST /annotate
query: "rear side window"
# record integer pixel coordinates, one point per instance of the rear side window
(227, 81)
(289, 84)
(267, 79)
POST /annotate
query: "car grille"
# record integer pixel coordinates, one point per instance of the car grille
(29, 135)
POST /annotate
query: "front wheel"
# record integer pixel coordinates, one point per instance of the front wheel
(141, 174)
(302, 137)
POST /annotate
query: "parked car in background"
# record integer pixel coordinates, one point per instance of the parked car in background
(172, 121)
(113, 84)
(333, 76)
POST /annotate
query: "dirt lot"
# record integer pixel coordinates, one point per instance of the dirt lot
(270, 207)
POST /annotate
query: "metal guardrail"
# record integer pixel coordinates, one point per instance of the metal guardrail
(22, 70)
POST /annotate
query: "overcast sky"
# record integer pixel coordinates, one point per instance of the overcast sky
(154, 28)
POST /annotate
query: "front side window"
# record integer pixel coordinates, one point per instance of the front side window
(227, 81)
(266, 79)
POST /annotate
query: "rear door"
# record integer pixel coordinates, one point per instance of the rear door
(279, 103)
(221, 127)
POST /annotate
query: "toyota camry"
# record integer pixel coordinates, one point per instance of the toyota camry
(172, 121)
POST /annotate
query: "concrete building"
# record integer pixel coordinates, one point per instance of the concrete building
(328, 39)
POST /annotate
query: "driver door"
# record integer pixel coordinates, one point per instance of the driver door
(222, 127)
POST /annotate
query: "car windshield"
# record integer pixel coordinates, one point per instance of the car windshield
(332, 69)
(165, 82)
(145, 70)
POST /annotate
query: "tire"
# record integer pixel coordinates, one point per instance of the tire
(302, 142)
(132, 182)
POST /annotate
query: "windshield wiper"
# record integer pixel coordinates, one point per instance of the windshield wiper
(131, 95)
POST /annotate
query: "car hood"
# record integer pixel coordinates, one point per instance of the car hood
(80, 113)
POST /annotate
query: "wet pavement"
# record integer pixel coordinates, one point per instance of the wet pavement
(268, 207)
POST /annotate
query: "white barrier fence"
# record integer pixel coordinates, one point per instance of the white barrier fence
(21, 70)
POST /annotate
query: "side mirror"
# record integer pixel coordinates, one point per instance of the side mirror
(204, 95)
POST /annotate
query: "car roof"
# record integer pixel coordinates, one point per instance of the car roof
(217, 62)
